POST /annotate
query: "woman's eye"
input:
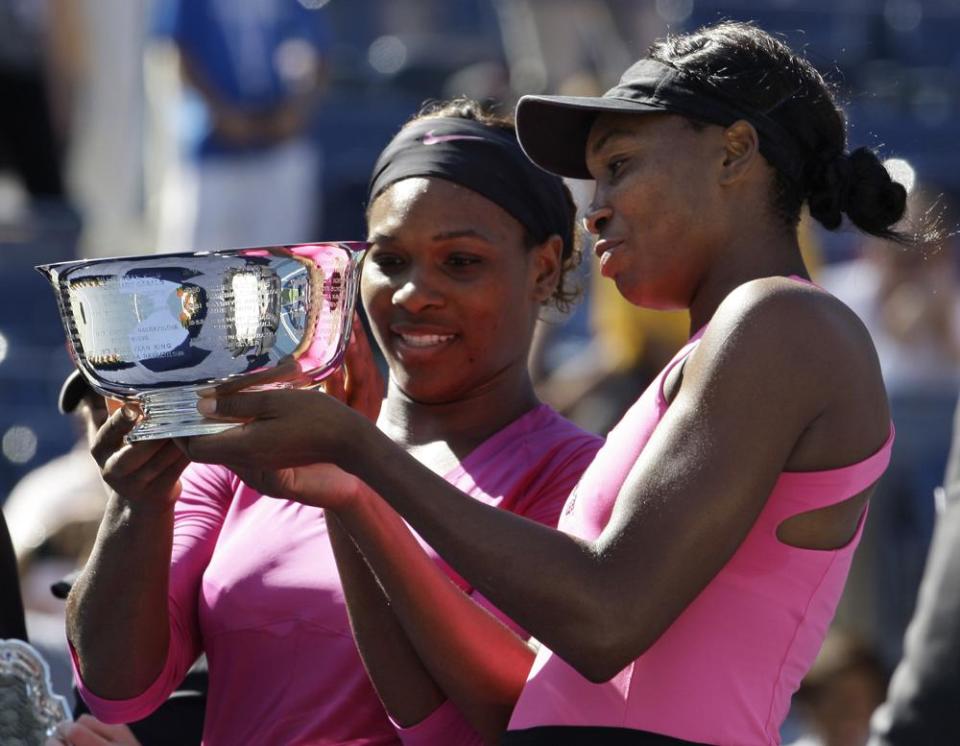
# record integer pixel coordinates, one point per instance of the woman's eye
(614, 166)
(387, 262)
(462, 260)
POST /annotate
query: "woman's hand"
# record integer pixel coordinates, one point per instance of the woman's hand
(289, 433)
(320, 485)
(147, 472)
(292, 427)
(283, 447)
(88, 731)
(358, 382)
(281, 428)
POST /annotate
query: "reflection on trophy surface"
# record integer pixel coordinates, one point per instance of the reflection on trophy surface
(155, 329)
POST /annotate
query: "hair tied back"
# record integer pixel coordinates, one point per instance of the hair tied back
(828, 184)
(858, 185)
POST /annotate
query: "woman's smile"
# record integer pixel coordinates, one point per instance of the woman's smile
(417, 341)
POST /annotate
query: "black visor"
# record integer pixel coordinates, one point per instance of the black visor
(553, 130)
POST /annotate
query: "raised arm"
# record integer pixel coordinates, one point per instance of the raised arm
(117, 609)
(781, 379)
(129, 600)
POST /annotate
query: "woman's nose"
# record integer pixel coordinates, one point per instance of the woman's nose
(596, 219)
(416, 293)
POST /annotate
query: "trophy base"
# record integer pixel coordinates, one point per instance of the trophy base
(173, 414)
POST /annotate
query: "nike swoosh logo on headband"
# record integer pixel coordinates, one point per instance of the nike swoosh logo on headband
(431, 139)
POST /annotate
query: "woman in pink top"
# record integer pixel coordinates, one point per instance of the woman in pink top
(700, 559)
(470, 239)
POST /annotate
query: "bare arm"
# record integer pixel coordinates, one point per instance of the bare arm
(767, 386)
(117, 610)
(405, 687)
(450, 632)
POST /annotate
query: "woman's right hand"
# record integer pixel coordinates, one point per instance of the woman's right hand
(146, 473)
(358, 382)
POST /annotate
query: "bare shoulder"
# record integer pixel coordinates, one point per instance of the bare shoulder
(793, 311)
(811, 357)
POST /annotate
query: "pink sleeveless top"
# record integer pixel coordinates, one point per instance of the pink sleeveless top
(725, 670)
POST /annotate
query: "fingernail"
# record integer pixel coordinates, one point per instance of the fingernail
(129, 413)
(207, 405)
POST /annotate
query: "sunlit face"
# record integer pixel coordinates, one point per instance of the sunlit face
(449, 288)
(655, 204)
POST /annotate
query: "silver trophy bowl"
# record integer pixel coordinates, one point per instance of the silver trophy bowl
(157, 329)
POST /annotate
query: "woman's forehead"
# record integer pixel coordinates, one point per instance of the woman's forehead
(440, 204)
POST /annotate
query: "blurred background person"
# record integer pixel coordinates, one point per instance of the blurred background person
(33, 131)
(921, 705)
(909, 299)
(253, 72)
(840, 692)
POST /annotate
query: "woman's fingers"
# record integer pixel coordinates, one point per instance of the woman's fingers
(88, 731)
(319, 485)
(364, 384)
(335, 385)
(168, 480)
(144, 460)
(264, 482)
(287, 427)
(132, 470)
(109, 438)
(251, 405)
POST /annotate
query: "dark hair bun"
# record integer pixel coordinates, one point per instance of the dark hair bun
(859, 185)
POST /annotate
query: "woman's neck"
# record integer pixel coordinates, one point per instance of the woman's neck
(750, 257)
(437, 432)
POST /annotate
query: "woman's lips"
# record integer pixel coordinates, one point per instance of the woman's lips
(606, 250)
(424, 340)
(413, 339)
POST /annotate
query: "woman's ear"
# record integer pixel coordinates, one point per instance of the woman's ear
(741, 151)
(546, 264)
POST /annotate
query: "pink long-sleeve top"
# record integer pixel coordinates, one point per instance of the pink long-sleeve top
(254, 585)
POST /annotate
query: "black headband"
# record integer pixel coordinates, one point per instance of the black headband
(485, 160)
(553, 129)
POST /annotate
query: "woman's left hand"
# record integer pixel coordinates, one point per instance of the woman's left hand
(88, 731)
(280, 429)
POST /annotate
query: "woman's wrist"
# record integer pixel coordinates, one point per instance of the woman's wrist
(358, 445)
(127, 511)
(358, 509)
